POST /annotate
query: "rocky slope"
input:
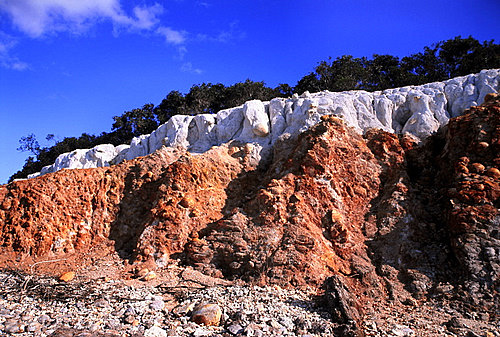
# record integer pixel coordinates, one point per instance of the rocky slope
(374, 224)
(418, 110)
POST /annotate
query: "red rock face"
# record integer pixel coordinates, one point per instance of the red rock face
(375, 218)
(470, 166)
(299, 222)
(143, 206)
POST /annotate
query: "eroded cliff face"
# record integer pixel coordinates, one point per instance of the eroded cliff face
(365, 218)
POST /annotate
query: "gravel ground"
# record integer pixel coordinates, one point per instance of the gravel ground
(41, 306)
(44, 306)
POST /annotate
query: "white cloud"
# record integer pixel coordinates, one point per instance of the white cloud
(6, 60)
(15, 64)
(203, 4)
(171, 35)
(188, 68)
(40, 17)
(181, 52)
(147, 17)
(225, 36)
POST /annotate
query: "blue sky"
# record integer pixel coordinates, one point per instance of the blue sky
(68, 67)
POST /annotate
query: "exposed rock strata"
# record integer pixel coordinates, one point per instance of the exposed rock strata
(370, 219)
(418, 110)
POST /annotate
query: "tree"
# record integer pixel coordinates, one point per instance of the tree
(425, 67)
(29, 144)
(457, 55)
(343, 73)
(283, 90)
(310, 83)
(241, 92)
(136, 122)
(486, 56)
(383, 72)
(173, 104)
(464, 56)
(205, 98)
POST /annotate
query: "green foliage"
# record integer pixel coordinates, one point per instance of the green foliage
(239, 93)
(135, 122)
(310, 83)
(204, 98)
(211, 98)
(29, 144)
(283, 90)
(443, 60)
(383, 71)
(173, 104)
(343, 73)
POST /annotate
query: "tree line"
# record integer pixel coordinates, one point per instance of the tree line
(443, 60)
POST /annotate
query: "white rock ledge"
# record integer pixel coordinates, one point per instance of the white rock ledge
(418, 110)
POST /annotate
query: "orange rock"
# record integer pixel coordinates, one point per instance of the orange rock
(336, 216)
(186, 201)
(68, 276)
(482, 145)
(493, 172)
(207, 314)
(490, 97)
(465, 160)
(477, 167)
(150, 276)
(462, 168)
(142, 272)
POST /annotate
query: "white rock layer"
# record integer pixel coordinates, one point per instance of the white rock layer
(418, 110)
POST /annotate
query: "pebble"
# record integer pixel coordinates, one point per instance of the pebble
(403, 331)
(13, 326)
(157, 305)
(150, 276)
(43, 319)
(68, 276)
(102, 303)
(493, 172)
(253, 330)
(184, 309)
(235, 329)
(130, 319)
(201, 332)
(207, 314)
(155, 331)
(477, 167)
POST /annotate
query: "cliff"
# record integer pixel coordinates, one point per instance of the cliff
(370, 220)
(417, 110)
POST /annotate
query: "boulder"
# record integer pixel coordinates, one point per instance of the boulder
(256, 122)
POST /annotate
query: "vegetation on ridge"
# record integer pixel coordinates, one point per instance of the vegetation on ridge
(441, 61)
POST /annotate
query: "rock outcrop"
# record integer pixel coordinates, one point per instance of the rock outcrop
(369, 220)
(418, 110)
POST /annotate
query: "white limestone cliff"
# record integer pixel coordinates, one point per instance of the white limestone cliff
(418, 110)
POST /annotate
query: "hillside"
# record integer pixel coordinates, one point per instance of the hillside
(381, 226)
